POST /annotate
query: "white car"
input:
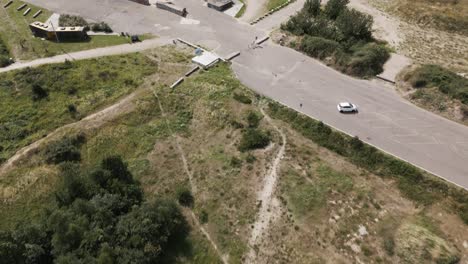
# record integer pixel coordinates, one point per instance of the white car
(347, 107)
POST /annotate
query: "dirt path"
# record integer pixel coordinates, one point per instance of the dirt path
(93, 53)
(269, 206)
(224, 258)
(95, 120)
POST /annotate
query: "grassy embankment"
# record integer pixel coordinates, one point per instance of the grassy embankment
(439, 90)
(36, 101)
(210, 114)
(15, 32)
(440, 14)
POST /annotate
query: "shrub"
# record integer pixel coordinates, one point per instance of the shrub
(318, 47)
(355, 25)
(253, 139)
(389, 246)
(312, 7)
(242, 98)
(72, 21)
(66, 149)
(38, 92)
(185, 197)
(368, 60)
(253, 119)
(203, 217)
(333, 8)
(101, 27)
(445, 80)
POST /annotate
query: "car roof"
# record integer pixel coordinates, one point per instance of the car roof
(343, 104)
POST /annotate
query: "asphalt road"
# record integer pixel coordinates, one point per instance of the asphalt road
(385, 120)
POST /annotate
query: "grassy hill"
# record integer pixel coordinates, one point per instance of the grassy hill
(204, 136)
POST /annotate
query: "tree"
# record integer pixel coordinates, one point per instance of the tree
(355, 25)
(312, 7)
(334, 7)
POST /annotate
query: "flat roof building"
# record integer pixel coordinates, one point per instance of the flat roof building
(43, 30)
(220, 5)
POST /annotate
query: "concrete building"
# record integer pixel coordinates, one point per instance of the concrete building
(169, 6)
(220, 5)
(64, 34)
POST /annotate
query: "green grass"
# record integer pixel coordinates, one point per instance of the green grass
(15, 32)
(242, 10)
(275, 3)
(305, 197)
(87, 85)
(446, 81)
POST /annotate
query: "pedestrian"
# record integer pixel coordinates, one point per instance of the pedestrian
(300, 105)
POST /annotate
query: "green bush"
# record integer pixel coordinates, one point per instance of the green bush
(312, 7)
(242, 98)
(253, 139)
(66, 20)
(368, 60)
(445, 80)
(101, 27)
(38, 92)
(318, 47)
(355, 25)
(66, 149)
(333, 8)
(185, 197)
(253, 119)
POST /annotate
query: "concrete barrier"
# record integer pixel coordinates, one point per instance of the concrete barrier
(21, 7)
(260, 41)
(8, 4)
(196, 68)
(232, 56)
(27, 11)
(176, 83)
(37, 13)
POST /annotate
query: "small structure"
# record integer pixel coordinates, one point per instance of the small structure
(206, 59)
(169, 6)
(143, 2)
(220, 5)
(65, 34)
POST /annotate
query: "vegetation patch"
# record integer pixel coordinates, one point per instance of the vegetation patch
(447, 82)
(412, 182)
(101, 216)
(66, 20)
(4, 54)
(415, 242)
(340, 36)
(37, 100)
(440, 14)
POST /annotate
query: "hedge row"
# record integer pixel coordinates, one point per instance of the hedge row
(412, 182)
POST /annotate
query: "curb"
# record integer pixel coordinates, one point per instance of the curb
(385, 79)
(271, 12)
